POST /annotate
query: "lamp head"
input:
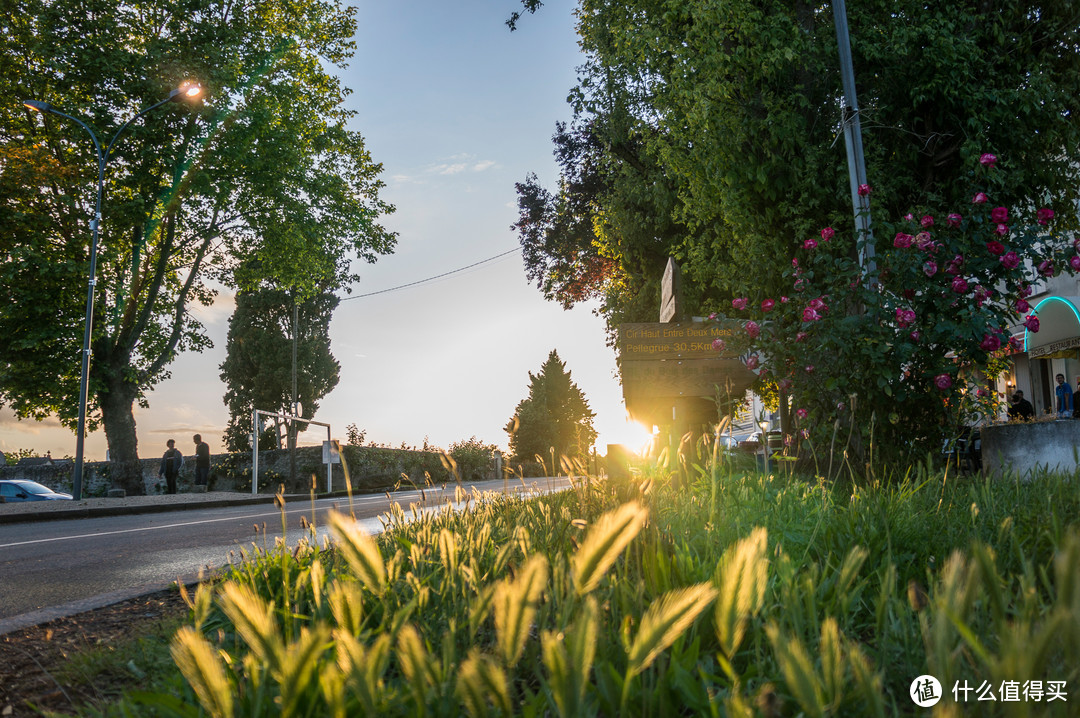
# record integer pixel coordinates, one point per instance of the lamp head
(37, 105)
(187, 91)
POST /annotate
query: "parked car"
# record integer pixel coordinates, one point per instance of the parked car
(19, 490)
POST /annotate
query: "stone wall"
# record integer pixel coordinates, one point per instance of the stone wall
(370, 469)
(1024, 448)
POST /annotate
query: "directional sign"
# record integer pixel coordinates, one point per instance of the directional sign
(649, 341)
(688, 377)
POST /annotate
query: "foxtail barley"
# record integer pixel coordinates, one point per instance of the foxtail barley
(203, 669)
(360, 552)
(611, 533)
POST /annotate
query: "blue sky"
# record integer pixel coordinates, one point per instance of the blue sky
(457, 109)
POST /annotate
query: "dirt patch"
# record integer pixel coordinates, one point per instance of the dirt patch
(40, 666)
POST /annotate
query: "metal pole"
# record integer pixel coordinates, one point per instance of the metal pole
(329, 466)
(255, 452)
(853, 140)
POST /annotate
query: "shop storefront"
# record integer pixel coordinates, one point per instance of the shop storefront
(1053, 350)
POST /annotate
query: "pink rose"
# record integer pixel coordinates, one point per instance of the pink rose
(802, 413)
(795, 262)
(1010, 260)
(1046, 268)
(752, 362)
(902, 241)
(799, 336)
(719, 345)
(810, 244)
(995, 248)
(827, 234)
(909, 217)
(923, 242)
(1015, 344)
(942, 381)
(954, 220)
(809, 369)
(784, 300)
(904, 317)
(1022, 305)
(1074, 262)
(739, 303)
(927, 221)
(864, 190)
(930, 268)
(990, 343)
(818, 305)
(959, 285)
(1025, 290)
(1044, 215)
(839, 406)
(809, 315)
(915, 335)
(1032, 323)
(979, 198)
(753, 329)
(999, 215)
(767, 305)
(954, 265)
(988, 160)
(1002, 230)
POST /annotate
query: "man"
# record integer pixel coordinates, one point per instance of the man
(1020, 408)
(1063, 393)
(171, 463)
(202, 460)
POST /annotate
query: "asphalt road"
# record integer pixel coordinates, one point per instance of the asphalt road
(50, 569)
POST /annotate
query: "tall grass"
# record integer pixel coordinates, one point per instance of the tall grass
(739, 595)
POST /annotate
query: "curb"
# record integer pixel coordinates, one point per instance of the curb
(100, 511)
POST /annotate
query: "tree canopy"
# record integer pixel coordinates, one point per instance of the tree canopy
(555, 416)
(712, 132)
(258, 368)
(264, 181)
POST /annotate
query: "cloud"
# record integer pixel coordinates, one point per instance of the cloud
(10, 422)
(460, 163)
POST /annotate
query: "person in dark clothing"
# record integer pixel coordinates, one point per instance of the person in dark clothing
(1020, 408)
(171, 463)
(1064, 395)
(202, 460)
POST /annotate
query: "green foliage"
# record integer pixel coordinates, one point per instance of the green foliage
(473, 458)
(554, 421)
(715, 125)
(263, 181)
(12, 457)
(257, 370)
(821, 600)
(905, 353)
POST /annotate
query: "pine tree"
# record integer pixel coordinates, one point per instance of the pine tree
(555, 415)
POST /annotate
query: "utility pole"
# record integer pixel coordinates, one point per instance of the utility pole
(853, 142)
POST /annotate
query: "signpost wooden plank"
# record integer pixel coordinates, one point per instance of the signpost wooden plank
(671, 308)
(688, 377)
(648, 341)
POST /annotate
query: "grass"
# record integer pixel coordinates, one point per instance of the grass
(739, 595)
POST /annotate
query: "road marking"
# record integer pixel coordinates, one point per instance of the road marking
(156, 528)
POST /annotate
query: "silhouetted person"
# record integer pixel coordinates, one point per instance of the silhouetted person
(202, 460)
(170, 466)
(1020, 408)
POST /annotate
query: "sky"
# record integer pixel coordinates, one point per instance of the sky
(457, 109)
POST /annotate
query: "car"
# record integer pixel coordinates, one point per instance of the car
(21, 490)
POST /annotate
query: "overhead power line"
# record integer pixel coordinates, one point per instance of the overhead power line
(437, 276)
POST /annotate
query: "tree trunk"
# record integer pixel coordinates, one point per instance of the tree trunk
(125, 470)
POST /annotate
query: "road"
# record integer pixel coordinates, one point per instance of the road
(57, 568)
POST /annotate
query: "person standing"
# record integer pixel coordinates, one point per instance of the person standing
(171, 463)
(202, 460)
(1021, 408)
(1064, 394)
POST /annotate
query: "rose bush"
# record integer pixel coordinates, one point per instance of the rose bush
(896, 350)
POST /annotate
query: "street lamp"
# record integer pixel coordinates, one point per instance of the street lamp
(186, 91)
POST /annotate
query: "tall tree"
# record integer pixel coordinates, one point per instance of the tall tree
(257, 370)
(265, 169)
(554, 416)
(736, 105)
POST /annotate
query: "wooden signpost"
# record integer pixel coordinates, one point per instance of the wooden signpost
(671, 373)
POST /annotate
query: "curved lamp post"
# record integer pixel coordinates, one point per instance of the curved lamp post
(180, 93)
